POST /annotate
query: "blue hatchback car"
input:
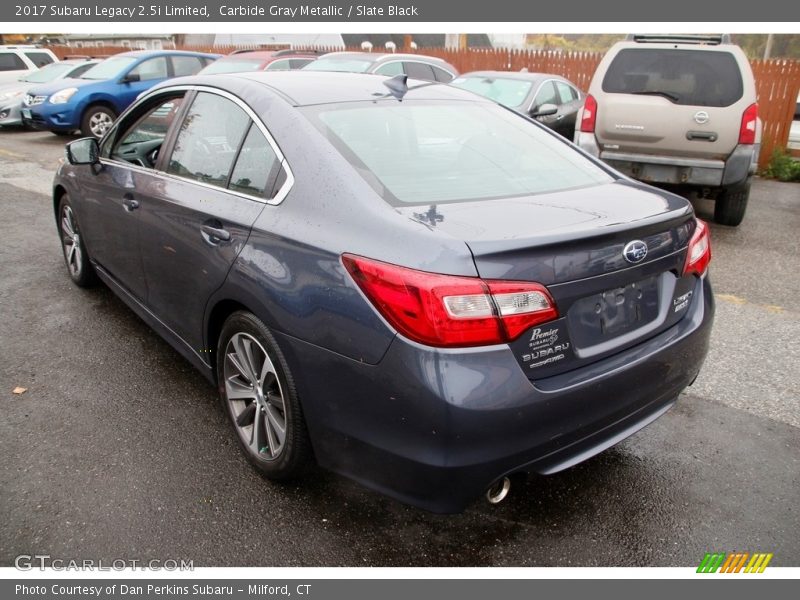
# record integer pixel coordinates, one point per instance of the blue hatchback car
(93, 102)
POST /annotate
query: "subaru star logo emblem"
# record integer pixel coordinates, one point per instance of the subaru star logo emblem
(635, 251)
(701, 117)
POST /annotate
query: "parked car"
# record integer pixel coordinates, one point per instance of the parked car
(416, 66)
(425, 295)
(19, 61)
(92, 102)
(260, 60)
(677, 110)
(11, 94)
(550, 99)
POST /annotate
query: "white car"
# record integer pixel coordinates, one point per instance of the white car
(18, 61)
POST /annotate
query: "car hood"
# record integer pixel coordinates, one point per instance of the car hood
(46, 89)
(17, 86)
(553, 217)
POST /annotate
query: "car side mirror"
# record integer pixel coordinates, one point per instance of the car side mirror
(545, 110)
(131, 78)
(84, 151)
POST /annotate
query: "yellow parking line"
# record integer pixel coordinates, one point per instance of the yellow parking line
(733, 299)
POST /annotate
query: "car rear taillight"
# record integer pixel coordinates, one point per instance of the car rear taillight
(699, 254)
(589, 114)
(448, 310)
(747, 132)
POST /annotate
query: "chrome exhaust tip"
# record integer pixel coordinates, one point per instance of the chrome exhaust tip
(498, 491)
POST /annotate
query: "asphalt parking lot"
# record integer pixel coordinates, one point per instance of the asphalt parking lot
(118, 449)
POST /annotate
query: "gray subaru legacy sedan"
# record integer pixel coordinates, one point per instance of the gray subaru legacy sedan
(401, 281)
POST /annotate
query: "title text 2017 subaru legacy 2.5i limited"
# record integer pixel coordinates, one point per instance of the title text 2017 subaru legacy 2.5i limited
(419, 288)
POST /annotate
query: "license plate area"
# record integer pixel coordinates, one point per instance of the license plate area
(600, 317)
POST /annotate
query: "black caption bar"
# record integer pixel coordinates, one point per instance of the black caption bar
(344, 589)
(439, 11)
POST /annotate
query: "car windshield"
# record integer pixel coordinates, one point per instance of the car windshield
(686, 77)
(433, 152)
(234, 65)
(109, 68)
(344, 65)
(508, 92)
(49, 73)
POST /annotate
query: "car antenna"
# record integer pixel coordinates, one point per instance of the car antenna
(398, 86)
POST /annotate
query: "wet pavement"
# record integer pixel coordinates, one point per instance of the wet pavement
(119, 450)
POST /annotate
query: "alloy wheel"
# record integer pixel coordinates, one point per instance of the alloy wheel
(71, 241)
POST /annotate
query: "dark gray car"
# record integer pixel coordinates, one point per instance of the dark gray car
(416, 66)
(550, 99)
(426, 296)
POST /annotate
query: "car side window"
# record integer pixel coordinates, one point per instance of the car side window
(390, 69)
(11, 62)
(255, 166)
(140, 138)
(279, 65)
(186, 65)
(566, 91)
(299, 63)
(154, 68)
(40, 59)
(208, 139)
(442, 75)
(417, 70)
(546, 95)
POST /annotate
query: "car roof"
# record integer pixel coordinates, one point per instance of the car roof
(146, 53)
(267, 54)
(518, 75)
(304, 88)
(378, 56)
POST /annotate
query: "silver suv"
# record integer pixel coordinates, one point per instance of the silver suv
(677, 110)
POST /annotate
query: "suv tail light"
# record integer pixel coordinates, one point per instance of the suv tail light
(699, 254)
(448, 310)
(589, 114)
(747, 132)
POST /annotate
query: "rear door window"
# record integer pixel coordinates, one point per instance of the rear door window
(546, 95)
(566, 92)
(390, 69)
(40, 59)
(186, 65)
(417, 70)
(208, 140)
(686, 77)
(442, 75)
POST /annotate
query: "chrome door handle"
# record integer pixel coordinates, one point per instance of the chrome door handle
(216, 233)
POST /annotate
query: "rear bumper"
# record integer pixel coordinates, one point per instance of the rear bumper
(677, 170)
(434, 428)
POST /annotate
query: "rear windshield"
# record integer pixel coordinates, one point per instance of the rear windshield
(691, 77)
(346, 65)
(508, 92)
(234, 65)
(433, 152)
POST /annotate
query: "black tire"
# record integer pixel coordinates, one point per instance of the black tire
(260, 413)
(96, 120)
(76, 258)
(731, 204)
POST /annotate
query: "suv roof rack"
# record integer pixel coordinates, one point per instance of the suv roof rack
(714, 39)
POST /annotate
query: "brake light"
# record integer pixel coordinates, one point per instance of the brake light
(589, 114)
(747, 132)
(699, 254)
(448, 310)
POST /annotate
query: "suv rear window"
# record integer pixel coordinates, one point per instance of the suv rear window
(687, 77)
